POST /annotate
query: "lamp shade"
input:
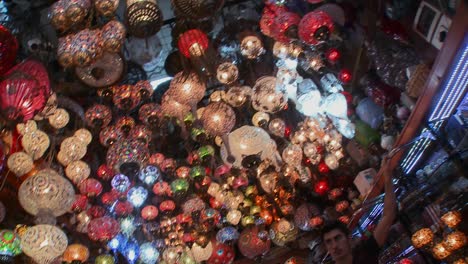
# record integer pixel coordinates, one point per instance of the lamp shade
(103, 228)
(144, 18)
(170, 107)
(24, 91)
(197, 9)
(127, 156)
(218, 119)
(193, 42)
(76, 252)
(86, 47)
(285, 25)
(98, 116)
(250, 141)
(455, 241)
(44, 243)
(126, 97)
(422, 238)
(9, 243)
(451, 219)
(440, 251)
(106, 7)
(8, 49)
(315, 26)
(46, 190)
(265, 97)
(251, 245)
(227, 73)
(251, 47)
(187, 89)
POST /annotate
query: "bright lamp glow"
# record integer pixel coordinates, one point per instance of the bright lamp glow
(137, 196)
(309, 98)
(148, 253)
(336, 105)
(149, 175)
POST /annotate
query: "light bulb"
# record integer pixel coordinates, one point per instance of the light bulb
(137, 196)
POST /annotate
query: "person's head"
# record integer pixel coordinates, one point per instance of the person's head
(335, 236)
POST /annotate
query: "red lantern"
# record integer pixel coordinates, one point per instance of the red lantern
(323, 168)
(105, 172)
(344, 219)
(316, 221)
(335, 193)
(156, 159)
(345, 76)
(8, 49)
(96, 211)
(193, 43)
(80, 202)
(167, 206)
(109, 198)
(168, 165)
(90, 187)
(240, 181)
(267, 22)
(123, 208)
(203, 184)
(214, 203)
(287, 132)
(24, 91)
(149, 212)
(98, 116)
(251, 244)
(221, 253)
(103, 229)
(321, 187)
(284, 25)
(126, 97)
(183, 219)
(406, 261)
(333, 55)
(161, 188)
(188, 238)
(315, 26)
(342, 206)
(267, 216)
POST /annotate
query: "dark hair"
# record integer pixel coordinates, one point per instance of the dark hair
(333, 226)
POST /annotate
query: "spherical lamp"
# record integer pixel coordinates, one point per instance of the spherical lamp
(128, 156)
(315, 26)
(144, 18)
(455, 241)
(76, 252)
(452, 218)
(422, 237)
(218, 119)
(440, 251)
(46, 191)
(9, 245)
(193, 42)
(197, 9)
(44, 243)
(187, 89)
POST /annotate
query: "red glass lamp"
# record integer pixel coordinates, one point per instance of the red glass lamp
(193, 43)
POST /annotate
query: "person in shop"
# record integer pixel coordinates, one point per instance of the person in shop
(336, 236)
